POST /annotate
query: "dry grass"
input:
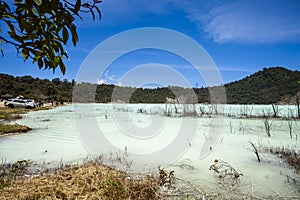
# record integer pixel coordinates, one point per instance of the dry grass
(86, 181)
(10, 113)
(13, 114)
(39, 108)
(291, 157)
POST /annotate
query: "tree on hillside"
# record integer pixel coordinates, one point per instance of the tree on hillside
(40, 29)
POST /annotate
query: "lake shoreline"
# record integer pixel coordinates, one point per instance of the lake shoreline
(11, 114)
(24, 176)
(13, 129)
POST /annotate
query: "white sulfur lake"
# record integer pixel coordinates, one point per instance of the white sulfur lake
(145, 130)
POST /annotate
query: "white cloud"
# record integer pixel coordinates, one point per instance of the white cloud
(108, 79)
(235, 69)
(101, 81)
(120, 84)
(239, 21)
(242, 21)
(207, 68)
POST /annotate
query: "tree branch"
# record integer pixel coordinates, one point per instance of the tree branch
(255, 151)
(10, 42)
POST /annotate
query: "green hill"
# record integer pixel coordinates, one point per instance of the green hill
(269, 85)
(264, 87)
(38, 89)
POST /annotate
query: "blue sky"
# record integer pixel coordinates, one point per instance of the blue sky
(241, 36)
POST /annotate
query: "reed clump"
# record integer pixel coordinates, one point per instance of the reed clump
(291, 157)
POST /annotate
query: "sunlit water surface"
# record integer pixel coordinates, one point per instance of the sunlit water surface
(55, 137)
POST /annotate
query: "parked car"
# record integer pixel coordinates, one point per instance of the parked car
(20, 103)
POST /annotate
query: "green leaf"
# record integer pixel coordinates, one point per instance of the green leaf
(15, 36)
(6, 15)
(74, 34)
(56, 49)
(65, 35)
(38, 2)
(62, 66)
(77, 6)
(25, 54)
(50, 63)
(65, 54)
(21, 24)
(40, 63)
(46, 63)
(11, 27)
(6, 6)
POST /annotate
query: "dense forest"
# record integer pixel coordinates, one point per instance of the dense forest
(269, 85)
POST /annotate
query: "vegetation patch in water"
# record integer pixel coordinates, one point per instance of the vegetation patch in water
(13, 128)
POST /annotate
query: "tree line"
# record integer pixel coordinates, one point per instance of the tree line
(267, 86)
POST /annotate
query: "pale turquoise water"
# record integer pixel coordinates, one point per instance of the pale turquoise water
(55, 131)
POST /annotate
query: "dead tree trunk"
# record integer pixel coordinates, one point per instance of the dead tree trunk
(290, 124)
(267, 126)
(298, 105)
(275, 109)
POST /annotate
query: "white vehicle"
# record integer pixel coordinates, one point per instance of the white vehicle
(20, 103)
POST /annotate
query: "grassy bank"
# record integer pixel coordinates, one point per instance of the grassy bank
(9, 114)
(86, 181)
(13, 128)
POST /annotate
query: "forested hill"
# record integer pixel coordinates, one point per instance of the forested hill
(269, 85)
(266, 86)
